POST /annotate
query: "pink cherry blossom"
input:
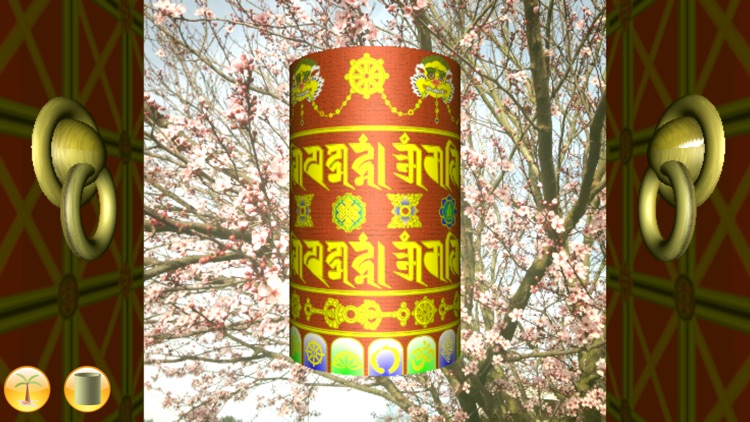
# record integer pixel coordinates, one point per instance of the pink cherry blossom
(205, 11)
(219, 248)
(274, 291)
(601, 367)
(519, 76)
(239, 64)
(515, 315)
(222, 182)
(264, 19)
(166, 8)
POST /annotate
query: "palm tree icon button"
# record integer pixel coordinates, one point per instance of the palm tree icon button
(27, 389)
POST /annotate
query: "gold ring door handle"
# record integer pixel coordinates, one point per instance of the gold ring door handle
(685, 157)
(69, 162)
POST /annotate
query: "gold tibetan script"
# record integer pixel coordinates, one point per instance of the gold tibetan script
(312, 258)
(441, 164)
(368, 166)
(364, 166)
(312, 254)
(329, 164)
(440, 258)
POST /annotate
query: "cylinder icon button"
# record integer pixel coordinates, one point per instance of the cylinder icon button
(87, 388)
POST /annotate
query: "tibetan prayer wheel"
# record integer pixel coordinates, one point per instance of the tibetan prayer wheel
(375, 211)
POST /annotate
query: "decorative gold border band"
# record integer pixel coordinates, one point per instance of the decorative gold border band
(376, 293)
(376, 334)
(375, 128)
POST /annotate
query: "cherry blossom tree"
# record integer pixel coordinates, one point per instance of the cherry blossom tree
(217, 240)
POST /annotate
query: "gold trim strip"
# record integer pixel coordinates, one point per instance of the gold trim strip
(376, 334)
(375, 128)
(376, 293)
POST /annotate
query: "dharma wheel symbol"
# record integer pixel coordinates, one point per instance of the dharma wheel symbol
(366, 76)
(424, 312)
(314, 353)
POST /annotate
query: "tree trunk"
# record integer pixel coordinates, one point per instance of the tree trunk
(425, 41)
(28, 397)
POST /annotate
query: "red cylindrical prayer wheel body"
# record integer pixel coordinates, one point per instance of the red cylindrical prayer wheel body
(375, 211)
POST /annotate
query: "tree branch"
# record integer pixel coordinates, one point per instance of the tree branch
(176, 264)
(188, 227)
(540, 76)
(590, 166)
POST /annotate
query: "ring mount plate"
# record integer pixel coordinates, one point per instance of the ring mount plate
(54, 111)
(708, 118)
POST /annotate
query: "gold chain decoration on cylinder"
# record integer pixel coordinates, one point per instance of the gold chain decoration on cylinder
(367, 76)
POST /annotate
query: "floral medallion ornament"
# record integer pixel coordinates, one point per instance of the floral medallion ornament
(375, 285)
(448, 211)
(303, 210)
(67, 296)
(404, 211)
(349, 212)
(684, 297)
